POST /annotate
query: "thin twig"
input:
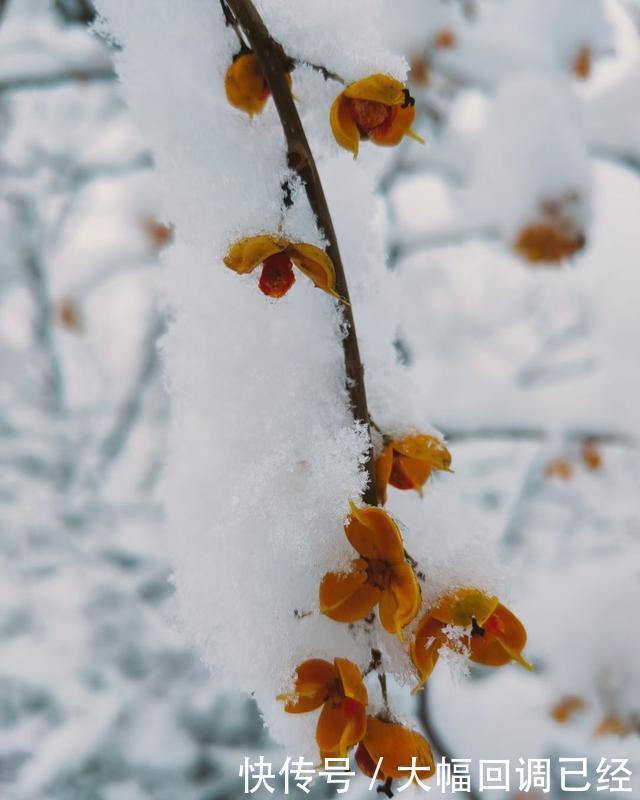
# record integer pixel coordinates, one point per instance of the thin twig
(49, 80)
(431, 732)
(273, 62)
(116, 440)
(327, 74)
(532, 434)
(38, 283)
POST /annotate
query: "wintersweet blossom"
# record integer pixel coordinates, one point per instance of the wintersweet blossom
(582, 63)
(555, 234)
(245, 85)
(614, 725)
(380, 576)
(496, 635)
(567, 707)
(396, 745)
(339, 689)
(277, 257)
(407, 463)
(544, 242)
(378, 108)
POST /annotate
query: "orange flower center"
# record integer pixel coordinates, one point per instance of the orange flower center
(277, 275)
(370, 115)
(336, 697)
(379, 573)
(398, 477)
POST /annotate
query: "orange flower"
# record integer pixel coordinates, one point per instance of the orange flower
(381, 576)
(581, 65)
(245, 85)
(614, 725)
(497, 636)
(545, 242)
(378, 108)
(69, 315)
(407, 463)
(591, 456)
(277, 256)
(341, 692)
(397, 746)
(445, 39)
(559, 468)
(567, 707)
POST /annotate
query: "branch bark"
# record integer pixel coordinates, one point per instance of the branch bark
(273, 62)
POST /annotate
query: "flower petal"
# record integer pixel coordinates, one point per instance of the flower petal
(400, 603)
(389, 612)
(246, 254)
(340, 726)
(352, 683)
(463, 606)
(245, 85)
(338, 588)
(374, 534)
(425, 647)
(310, 687)
(504, 639)
(397, 746)
(316, 265)
(343, 125)
(347, 597)
(425, 447)
(416, 472)
(406, 590)
(379, 88)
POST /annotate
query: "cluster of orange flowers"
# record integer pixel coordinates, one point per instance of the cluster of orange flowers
(384, 576)
(376, 108)
(379, 109)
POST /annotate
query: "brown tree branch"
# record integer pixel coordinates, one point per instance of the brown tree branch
(273, 62)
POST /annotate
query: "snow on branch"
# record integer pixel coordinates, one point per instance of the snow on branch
(275, 443)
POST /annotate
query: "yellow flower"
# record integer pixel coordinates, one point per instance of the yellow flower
(397, 746)
(497, 636)
(378, 108)
(277, 257)
(407, 463)
(339, 689)
(245, 85)
(380, 576)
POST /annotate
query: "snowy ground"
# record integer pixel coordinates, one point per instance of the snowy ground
(101, 695)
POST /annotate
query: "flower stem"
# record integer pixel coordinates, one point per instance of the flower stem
(273, 62)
